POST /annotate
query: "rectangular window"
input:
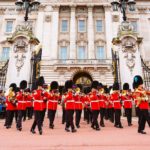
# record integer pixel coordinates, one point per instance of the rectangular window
(135, 26)
(64, 26)
(100, 54)
(9, 26)
(81, 52)
(81, 26)
(5, 53)
(63, 53)
(99, 26)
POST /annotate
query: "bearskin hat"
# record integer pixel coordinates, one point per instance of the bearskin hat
(106, 89)
(23, 84)
(94, 85)
(45, 86)
(54, 85)
(100, 85)
(137, 81)
(13, 86)
(116, 86)
(125, 86)
(68, 84)
(87, 90)
(40, 81)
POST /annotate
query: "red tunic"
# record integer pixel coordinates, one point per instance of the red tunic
(78, 102)
(102, 100)
(52, 101)
(115, 97)
(38, 97)
(86, 100)
(69, 101)
(9, 105)
(94, 101)
(127, 100)
(21, 100)
(29, 100)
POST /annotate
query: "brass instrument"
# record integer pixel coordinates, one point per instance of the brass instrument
(144, 96)
(11, 95)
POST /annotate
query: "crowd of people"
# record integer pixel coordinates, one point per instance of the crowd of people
(94, 101)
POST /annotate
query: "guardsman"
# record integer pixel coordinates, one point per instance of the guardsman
(78, 106)
(69, 106)
(29, 103)
(102, 103)
(126, 98)
(10, 105)
(53, 98)
(115, 97)
(38, 97)
(21, 104)
(86, 99)
(94, 103)
(141, 97)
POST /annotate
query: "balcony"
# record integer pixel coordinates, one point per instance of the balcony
(78, 63)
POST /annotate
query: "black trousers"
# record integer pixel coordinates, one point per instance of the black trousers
(25, 115)
(63, 115)
(37, 120)
(144, 116)
(117, 117)
(95, 114)
(29, 112)
(85, 114)
(9, 117)
(51, 116)
(102, 115)
(128, 113)
(69, 119)
(19, 118)
(89, 115)
(111, 114)
(78, 116)
(43, 115)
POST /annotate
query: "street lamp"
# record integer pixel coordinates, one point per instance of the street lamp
(27, 5)
(123, 4)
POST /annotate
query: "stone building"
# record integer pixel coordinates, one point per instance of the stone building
(75, 37)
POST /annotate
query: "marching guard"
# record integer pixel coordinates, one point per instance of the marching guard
(69, 106)
(94, 103)
(21, 104)
(127, 99)
(38, 97)
(141, 97)
(53, 99)
(115, 97)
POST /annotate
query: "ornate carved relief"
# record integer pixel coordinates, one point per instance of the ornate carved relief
(48, 18)
(20, 48)
(129, 49)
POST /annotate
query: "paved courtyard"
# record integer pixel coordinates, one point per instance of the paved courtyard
(108, 138)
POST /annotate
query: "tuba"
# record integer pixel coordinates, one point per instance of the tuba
(11, 95)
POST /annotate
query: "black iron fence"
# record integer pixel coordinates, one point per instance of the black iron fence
(146, 74)
(3, 74)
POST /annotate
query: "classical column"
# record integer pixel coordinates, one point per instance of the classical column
(108, 30)
(72, 33)
(54, 34)
(91, 52)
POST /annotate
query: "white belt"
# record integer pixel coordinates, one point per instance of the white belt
(79, 102)
(21, 102)
(54, 101)
(95, 101)
(28, 101)
(101, 100)
(127, 100)
(69, 101)
(116, 101)
(40, 101)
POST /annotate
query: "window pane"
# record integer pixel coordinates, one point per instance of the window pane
(99, 26)
(9, 26)
(5, 53)
(63, 52)
(81, 26)
(81, 52)
(64, 27)
(100, 52)
(134, 24)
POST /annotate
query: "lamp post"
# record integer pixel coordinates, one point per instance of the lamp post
(27, 5)
(122, 5)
